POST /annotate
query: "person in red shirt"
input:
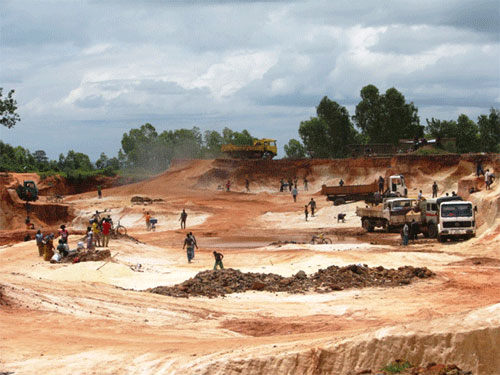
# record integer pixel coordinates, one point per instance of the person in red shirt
(106, 227)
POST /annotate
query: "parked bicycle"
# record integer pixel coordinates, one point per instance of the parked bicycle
(320, 239)
(118, 229)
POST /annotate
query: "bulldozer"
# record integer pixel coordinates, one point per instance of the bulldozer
(261, 149)
(28, 191)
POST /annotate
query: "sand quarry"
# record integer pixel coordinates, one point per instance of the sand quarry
(86, 319)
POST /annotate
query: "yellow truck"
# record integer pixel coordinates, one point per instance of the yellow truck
(261, 149)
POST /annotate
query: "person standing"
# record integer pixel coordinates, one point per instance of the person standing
(487, 179)
(63, 232)
(39, 242)
(306, 211)
(190, 243)
(247, 185)
(106, 228)
(306, 188)
(99, 192)
(406, 231)
(218, 260)
(194, 240)
(434, 190)
(89, 239)
(312, 203)
(147, 217)
(228, 185)
(48, 248)
(479, 169)
(381, 185)
(290, 185)
(419, 196)
(294, 193)
(282, 185)
(183, 218)
(341, 182)
(414, 230)
(96, 234)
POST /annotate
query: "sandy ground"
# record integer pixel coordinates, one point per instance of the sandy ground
(87, 319)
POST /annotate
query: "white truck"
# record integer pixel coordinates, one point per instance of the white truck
(393, 214)
(448, 218)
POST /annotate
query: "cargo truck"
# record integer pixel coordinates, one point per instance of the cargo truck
(369, 193)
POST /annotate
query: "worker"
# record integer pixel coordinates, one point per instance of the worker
(453, 194)
(306, 211)
(96, 216)
(183, 218)
(96, 234)
(381, 185)
(487, 179)
(147, 217)
(39, 241)
(341, 182)
(29, 224)
(191, 244)
(294, 193)
(413, 230)
(106, 228)
(419, 196)
(282, 185)
(247, 185)
(89, 239)
(194, 239)
(228, 185)
(48, 248)
(479, 169)
(306, 188)
(312, 203)
(63, 233)
(63, 248)
(295, 182)
(405, 233)
(434, 190)
(290, 185)
(99, 192)
(218, 260)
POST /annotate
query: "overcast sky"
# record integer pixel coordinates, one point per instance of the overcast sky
(85, 72)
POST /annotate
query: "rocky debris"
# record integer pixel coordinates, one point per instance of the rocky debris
(87, 256)
(281, 243)
(215, 283)
(137, 199)
(402, 367)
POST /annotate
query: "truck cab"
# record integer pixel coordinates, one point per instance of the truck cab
(397, 186)
(457, 219)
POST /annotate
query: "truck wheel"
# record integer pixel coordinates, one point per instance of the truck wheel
(441, 238)
(267, 155)
(432, 230)
(339, 202)
(367, 225)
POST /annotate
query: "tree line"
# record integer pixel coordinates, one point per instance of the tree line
(378, 118)
(386, 118)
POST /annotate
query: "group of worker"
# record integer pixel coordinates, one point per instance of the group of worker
(292, 184)
(190, 244)
(409, 232)
(45, 244)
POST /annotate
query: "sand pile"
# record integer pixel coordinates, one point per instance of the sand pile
(221, 282)
(87, 256)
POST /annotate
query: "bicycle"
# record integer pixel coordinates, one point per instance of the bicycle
(119, 229)
(320, 239)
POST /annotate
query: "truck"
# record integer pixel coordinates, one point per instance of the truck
(261, 149)
(369, 193)
(393, 214)
(442, 218)
(448, 218)
(28, 191)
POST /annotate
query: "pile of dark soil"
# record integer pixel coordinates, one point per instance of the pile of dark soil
(87, 256)
(405, 368)
(221, 282)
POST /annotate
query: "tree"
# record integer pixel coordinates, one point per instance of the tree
(489, 131)
(467, 136)
(328, 134)
(386, 118)
(8, 108)
(294, 149)
(102, 162)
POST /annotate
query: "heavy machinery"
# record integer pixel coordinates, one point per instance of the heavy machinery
(392, 215)
(261, 149)
(369, 193)
(28, 191)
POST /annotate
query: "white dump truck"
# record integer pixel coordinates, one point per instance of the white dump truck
(390, 215)
(448, 218)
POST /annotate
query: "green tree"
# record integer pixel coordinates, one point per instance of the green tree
(489, 131)
(102, 162)
(237, 138)
(467, 137)
(294, 149)
(8, 108)
(328, 134)
(386, 118)
(213, 141)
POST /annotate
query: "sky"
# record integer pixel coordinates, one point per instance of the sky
(86, 72)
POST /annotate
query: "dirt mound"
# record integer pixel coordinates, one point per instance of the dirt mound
(221, 282)
(406, 368)
(87, 256)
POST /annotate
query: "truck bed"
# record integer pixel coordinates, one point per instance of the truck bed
(349, 189)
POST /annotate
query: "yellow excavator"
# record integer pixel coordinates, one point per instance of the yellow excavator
(261, 149)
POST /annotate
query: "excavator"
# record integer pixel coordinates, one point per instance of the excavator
(261, 149)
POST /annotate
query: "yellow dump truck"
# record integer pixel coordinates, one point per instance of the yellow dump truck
(261, 149)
